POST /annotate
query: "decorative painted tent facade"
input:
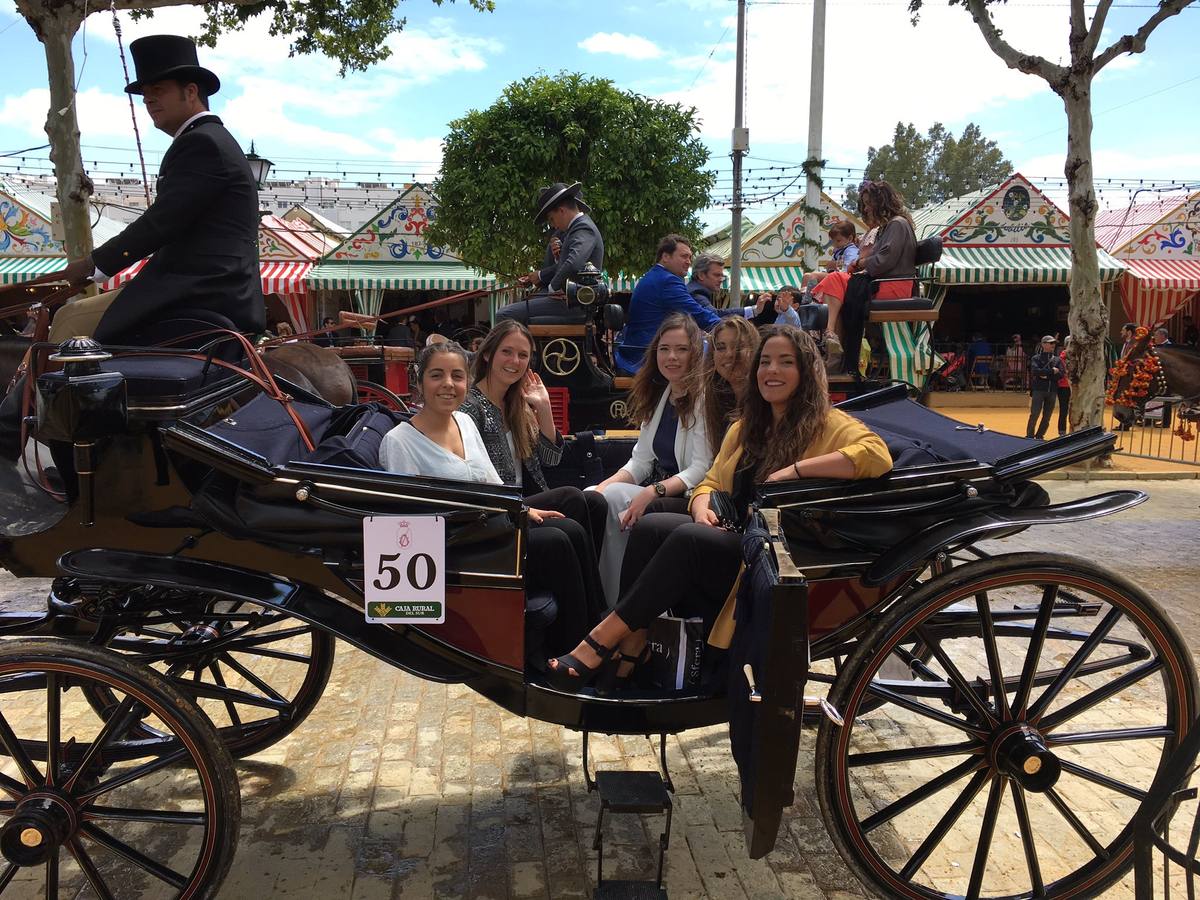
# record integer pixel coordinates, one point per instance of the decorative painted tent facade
(391, 253)
(773, 251)
(1158, 242)
(28, 248)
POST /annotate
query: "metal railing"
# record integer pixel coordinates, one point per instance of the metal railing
(1157, 431)
(1170, 807)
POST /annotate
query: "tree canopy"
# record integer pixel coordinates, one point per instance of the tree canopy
(640, 161)
(935, 166)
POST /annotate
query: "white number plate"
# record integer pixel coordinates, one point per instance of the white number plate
(404, 563)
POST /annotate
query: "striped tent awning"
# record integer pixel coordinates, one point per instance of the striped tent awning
(1014, 265)
(769, 278)
(1153, 290)
(19, 269)
(397, 277)
(285, 277)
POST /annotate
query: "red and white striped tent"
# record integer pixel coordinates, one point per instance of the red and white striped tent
(286, 253)
(1158, 242)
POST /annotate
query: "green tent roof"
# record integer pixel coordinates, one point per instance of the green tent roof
(17, 269)
(399, 276)
(1014, 265)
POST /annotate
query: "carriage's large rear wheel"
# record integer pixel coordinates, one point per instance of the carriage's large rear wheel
(88, 810)
(256, 673)
(954, 786)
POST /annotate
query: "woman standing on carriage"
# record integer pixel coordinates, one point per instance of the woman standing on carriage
(510, 406)
(672, 452)
(787, 430)
(441, 441)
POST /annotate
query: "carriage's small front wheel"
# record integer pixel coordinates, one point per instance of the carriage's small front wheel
(89, 809)
(1010, 762)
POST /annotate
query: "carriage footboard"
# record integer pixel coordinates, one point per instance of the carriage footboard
(959, 532)
(396, 647)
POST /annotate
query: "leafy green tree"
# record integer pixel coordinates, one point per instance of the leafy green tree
(932, 167)
(639, 159)
(352, 32)
(1072, 82)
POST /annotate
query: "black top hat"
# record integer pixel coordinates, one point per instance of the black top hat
(552, 196)
(161, 56)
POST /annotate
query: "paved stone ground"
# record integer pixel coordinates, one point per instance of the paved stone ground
(395, 787)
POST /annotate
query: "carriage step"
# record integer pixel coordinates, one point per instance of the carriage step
(633, 792)
(629, 890)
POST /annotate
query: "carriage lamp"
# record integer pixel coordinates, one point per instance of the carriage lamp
(260, 167)
(587, 287)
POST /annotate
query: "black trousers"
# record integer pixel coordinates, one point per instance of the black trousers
(1064, 409)
(1041, 403)
(667, 505)
(542, 309)
(588, 508)
(690, 574)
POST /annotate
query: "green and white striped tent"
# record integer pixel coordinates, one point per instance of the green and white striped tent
(28, 248)
(397, 276)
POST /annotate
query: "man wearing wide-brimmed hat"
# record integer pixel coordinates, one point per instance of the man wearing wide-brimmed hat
(201, 232)
(561, 206)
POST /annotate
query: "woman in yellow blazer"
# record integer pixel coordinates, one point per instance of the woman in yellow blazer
(787, 431)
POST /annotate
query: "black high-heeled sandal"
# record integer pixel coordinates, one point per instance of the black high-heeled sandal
(560, 676)
(613, 681)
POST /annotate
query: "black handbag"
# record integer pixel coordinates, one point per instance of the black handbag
(726, 511)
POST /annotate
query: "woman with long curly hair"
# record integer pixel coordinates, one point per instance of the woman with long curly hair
(891, 252)
(672, 452)
(787, 431)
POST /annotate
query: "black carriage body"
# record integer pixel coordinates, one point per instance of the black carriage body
(180, 505)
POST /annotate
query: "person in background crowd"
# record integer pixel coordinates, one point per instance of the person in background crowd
(510, 406)
(1064, 389)
(1161, 338)
(977, 348)
(398, 335)
(672, 452)
(1045, 369)
(1016, 360)
(787, 431)
(708, 274)
(658, 294)
(325, 337)
(1191, 335)
(285, 330)
(845, 251)
(1128, 335)
(418, 334)
(579, 242)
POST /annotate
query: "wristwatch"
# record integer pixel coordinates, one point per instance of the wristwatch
(660, 489)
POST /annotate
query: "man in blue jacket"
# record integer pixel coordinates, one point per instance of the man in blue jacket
(659, 293)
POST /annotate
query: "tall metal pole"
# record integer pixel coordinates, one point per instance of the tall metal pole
(740, 144)
(816, 107)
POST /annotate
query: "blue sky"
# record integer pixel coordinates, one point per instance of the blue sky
(451, 58)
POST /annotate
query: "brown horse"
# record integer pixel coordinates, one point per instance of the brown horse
(1180, 367)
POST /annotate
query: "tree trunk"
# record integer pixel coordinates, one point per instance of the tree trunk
(1088, 317)
(55, 26)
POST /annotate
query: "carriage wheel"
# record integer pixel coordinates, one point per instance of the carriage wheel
(369, 392)
(88, 810)
(1012, 763)
(255, 673)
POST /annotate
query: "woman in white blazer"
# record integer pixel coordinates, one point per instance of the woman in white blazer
(672, 453)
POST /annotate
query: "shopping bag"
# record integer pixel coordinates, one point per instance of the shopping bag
(676, 652)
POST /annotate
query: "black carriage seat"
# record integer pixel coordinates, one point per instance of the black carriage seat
(909, 309)
(169, 381)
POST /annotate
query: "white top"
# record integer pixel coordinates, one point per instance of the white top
(692, 452)
(512, 451)
(408, 452)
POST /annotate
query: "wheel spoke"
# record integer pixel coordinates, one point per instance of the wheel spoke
(1033, 655)
(1073, 820)
(1027, 840)
(150, 816)
(9, 873)
(229, 706)
(910, 754)
(1101, 737)
(1074, 708)
(1103, 780)
(923, 710)
(269, 653)
(12, 787)
(252, 678)
(52, 875)
(134, 774)
(53, 729)
(215, 692)
(117, 723)
(139, 859)
(945, 823)
(1000, 689)
(89, 869)
(986, 832)
(956, 677)
(275, 637)
(12, 747)
(912, 798)
(1069, 670)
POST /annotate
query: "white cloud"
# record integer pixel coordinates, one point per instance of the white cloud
(100, 114)
(631, 46)
(422, 55)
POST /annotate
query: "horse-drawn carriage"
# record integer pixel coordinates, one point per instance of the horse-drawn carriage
(206, 562)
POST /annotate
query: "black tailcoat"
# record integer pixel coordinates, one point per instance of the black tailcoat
(202, 230)
(581, 243)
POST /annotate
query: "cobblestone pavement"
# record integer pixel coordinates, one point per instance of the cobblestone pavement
(396, 787)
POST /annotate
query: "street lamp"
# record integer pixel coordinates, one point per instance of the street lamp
(259, 166)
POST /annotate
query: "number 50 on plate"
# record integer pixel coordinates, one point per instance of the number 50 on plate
(404, 569)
